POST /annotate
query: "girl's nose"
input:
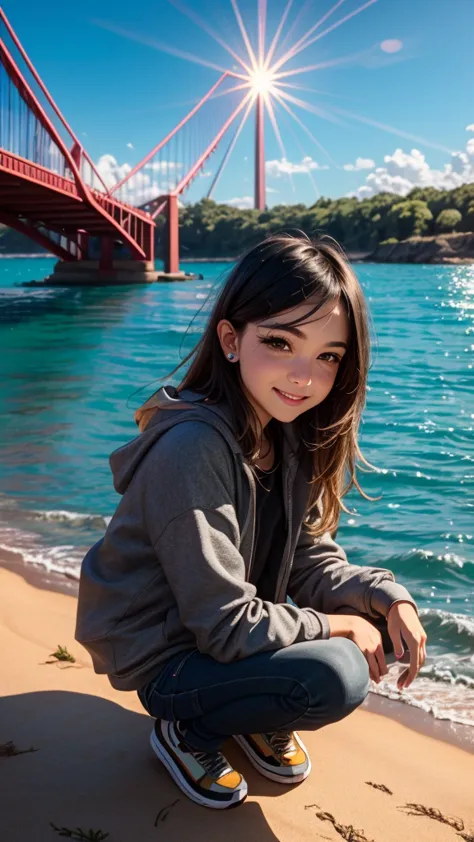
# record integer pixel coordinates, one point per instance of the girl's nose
(300, 375)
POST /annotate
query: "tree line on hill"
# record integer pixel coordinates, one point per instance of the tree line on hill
(208, 229)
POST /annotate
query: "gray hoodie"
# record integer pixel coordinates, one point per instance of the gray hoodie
(172, 570)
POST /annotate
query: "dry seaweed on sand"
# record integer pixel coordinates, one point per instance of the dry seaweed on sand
(62, 654)
(468, 837)
(433, 813)
(79, 834)
(163, 814)
(382, 787)
(11, 750)
(348, 832)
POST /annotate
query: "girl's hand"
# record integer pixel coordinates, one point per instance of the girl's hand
(403, 621)
(367, 638)
(369, 641)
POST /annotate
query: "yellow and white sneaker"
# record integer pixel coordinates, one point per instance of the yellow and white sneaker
(280, 756)
(205, 777)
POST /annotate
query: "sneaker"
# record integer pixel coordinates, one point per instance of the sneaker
(205, 777)
(280, 756)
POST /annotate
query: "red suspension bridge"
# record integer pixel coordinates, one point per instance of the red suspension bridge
(51, 191)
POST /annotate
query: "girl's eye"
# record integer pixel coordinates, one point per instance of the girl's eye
(335, 357)
(278, 343)
(275, 342)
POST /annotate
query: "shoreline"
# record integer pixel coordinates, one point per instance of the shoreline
(413, 718)
(367, 258)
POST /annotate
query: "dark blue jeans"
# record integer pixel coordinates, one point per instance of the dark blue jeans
(303, 686)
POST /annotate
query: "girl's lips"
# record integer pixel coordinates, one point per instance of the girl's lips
(289, 401)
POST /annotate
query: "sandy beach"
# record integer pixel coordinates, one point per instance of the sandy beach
(93, 768)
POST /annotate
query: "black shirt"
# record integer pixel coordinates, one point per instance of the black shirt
(271, 528)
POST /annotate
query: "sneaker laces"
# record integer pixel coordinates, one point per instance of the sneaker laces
(215, 764)
(281, 741)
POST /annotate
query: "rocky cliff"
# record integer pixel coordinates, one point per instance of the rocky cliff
(444, 248)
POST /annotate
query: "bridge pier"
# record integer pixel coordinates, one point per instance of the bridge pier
(120, 272)
(106, 254)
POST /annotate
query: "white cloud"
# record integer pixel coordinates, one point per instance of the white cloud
(405, 170)
(470, 128)
(130, 146)
(271, 190)
(141, 187)
(164, 166)
(391, 45)
(275, 169)
(243, 202)
(360, 164)
(111, 171)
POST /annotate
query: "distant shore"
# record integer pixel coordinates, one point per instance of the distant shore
(444, 249)
(355, 256)
(352, 256)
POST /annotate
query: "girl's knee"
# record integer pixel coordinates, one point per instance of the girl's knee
(343, 677)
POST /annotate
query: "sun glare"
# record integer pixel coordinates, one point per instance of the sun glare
(261, 80)
(263, 76)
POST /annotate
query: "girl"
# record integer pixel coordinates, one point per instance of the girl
(231, 495)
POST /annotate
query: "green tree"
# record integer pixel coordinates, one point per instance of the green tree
(448, 219)
(409, 219)
(469, 218)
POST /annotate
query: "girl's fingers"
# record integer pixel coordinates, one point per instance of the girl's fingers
(380, 656)
(373, 666)
(417, 659)
(420, 656)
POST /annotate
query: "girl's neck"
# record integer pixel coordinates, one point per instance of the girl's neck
(265, 461)
(267, 450)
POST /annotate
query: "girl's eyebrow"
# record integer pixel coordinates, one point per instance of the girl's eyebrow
(301, 335)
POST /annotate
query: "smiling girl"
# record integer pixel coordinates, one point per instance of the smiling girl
(218, 592)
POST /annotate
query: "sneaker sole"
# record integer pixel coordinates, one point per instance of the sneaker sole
(236, 800)
(269, 773)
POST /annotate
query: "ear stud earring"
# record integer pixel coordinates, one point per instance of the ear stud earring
(230, 356)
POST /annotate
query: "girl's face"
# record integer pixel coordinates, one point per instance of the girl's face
(287, 371)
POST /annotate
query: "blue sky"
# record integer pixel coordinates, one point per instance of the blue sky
(116, 90)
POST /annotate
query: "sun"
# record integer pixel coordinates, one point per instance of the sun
(261, 81)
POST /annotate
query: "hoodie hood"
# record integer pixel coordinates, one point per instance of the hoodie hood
(185, 405)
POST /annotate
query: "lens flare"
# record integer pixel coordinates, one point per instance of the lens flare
(261, 81)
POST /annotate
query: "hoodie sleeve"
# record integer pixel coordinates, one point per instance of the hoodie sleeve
(189, 506)
(322, 578)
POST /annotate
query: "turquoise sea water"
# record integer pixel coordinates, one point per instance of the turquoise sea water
(72, 359)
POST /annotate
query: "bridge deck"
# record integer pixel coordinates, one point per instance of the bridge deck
(31, 191)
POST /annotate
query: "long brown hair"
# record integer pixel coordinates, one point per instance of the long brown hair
(278, 274)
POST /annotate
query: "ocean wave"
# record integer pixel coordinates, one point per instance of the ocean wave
(448, 624)
(54, 560)
(420, 566)
(438, 672)
(452, 707)
(64, 559)
(71, 518)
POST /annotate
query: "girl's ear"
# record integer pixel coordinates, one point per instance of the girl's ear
(228, 339)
